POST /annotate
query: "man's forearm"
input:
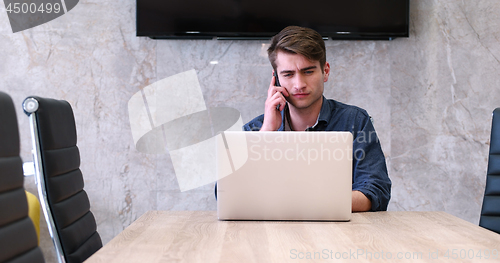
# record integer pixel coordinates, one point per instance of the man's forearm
(360, 203)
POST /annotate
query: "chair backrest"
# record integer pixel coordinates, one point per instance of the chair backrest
(57, 166)
(490, 213)
(18, 239)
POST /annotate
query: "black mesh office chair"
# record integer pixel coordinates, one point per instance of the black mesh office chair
(490, 213)
(18, 239)
(57, 160)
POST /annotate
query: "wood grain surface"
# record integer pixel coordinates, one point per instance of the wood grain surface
(197, 236)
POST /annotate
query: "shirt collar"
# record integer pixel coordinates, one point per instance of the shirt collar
(325, 113)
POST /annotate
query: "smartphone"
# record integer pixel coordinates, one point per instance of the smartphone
(277, 83)
(276, 80)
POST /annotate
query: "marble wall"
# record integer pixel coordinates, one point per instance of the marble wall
(431, 96)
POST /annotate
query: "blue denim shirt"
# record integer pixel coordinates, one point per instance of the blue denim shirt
(369, 169)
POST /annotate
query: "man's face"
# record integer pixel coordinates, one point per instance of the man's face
(302, 78)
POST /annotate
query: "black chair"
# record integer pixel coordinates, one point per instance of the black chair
(490, 213)
(57, 160)
(18, 239)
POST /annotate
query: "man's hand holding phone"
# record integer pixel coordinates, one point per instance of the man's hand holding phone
(275, 103)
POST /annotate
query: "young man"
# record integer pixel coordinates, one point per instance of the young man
(298, 57)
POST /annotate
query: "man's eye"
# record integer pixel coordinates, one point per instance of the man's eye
(288, 75)
(309, 72)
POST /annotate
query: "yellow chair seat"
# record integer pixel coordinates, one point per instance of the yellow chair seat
(34, 212)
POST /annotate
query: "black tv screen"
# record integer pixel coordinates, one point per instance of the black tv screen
(261, 19)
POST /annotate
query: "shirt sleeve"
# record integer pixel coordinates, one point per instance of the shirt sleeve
(369, 168)
(255, 124)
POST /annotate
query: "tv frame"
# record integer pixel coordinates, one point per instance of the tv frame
(268, 35)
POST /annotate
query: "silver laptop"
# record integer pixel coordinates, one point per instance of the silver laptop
(284, 176)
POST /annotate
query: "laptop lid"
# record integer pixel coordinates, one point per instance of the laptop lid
(284, 176)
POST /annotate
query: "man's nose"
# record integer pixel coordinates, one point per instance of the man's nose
(299, 82)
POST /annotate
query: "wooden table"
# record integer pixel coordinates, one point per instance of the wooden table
(197, 236)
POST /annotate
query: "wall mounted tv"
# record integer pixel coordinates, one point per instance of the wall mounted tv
(261, 19)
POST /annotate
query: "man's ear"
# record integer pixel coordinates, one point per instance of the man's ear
(326, 70)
